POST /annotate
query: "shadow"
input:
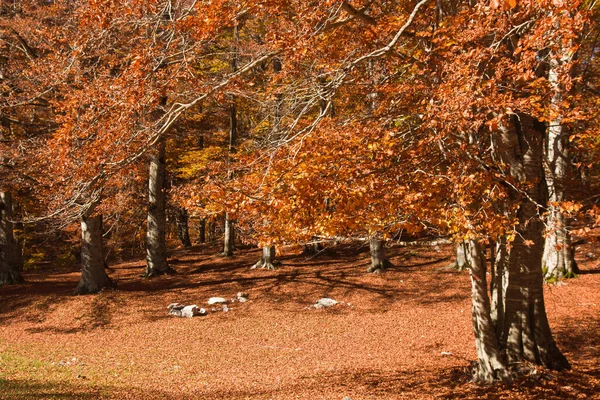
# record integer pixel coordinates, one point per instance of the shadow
(37, 297)
(11, 389)
(25, 389)
(98, 315)
(589, 272)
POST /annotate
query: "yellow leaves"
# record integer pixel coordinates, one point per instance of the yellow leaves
(505, 4)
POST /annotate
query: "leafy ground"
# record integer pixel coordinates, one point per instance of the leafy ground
(402, 334)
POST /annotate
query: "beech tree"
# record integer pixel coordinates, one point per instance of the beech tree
(156, 252)
(466, 158)
(93, 273)
(10, 261)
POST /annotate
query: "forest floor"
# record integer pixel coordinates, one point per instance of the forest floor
(405, 333)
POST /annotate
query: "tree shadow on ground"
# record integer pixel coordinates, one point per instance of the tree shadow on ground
(38, 297)
(454, 382)
(11, 389)
(98, 315)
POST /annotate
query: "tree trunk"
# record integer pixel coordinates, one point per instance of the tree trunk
(228, 237)
(267, 260)
(229, 232)
(460, 263)
(93, 274)
(379, 261)
(490, 365)
(156, 252)
(499, 274)
(202, 231)
(211, 230)
(183, 231)
(10, 260)
(558, 257)
(526, 334)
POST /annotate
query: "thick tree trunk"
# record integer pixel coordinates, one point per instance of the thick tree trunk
(267, 260)
(10, 260)
(228, 237)
(93, 275)
(183, 231)
(156, 252)
(490, 365)
(558, 257)
(379, 261)
(526, 334)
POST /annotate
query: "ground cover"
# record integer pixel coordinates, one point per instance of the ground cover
(405, 333)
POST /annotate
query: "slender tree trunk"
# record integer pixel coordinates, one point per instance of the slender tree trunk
(10, 260)
(490, 364)
(558, 257)
(526, 333)
(499, 274)
(202, 231)
(379, 261)
(93, 273)
(229, 234)
(267, 260)
(156, 252)
(460, 263)
(211, 230)
(228, 237)
(183, 231)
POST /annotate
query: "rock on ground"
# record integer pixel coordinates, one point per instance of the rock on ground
(216, 300)
(181, 310)
(325, 302)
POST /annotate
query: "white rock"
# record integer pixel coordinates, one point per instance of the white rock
(217, 300)
(325, 302)
(190, 311)
(181, 310)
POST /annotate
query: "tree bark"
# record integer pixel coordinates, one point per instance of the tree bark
(211, 230)
(229, 232)
(267, 260)
(93, 273)
(202, 231)
(156, 252)
(183, 231)
(228, 237)
(499, 275)
(558, 258)
(10, 260)
(526, 334)
(490, 364)
(379, 261)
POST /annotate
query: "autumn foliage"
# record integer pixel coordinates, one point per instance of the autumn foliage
(334, 120)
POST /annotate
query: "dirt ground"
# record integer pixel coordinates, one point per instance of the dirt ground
(402, 334)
